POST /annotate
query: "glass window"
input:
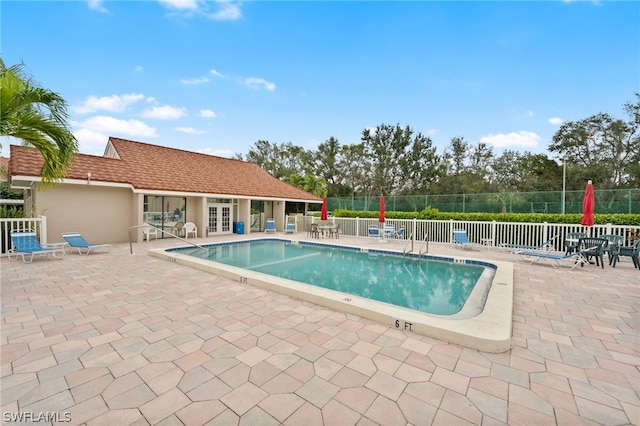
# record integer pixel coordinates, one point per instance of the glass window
(164, 213)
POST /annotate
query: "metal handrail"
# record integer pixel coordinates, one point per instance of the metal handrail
(161, 230)
(404, 250)
(424, 242)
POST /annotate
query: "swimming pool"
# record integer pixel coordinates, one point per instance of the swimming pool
(472, 320)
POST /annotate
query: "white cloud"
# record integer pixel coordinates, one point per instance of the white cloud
(113, 103)
(90, 141)
(97, 5)
(217, 152)
(139, 68)
(521, 139)
(165, 112)
(216, 73)
(257, 83)
(556, 121)
(193, 81)
(110, 125)
(228, 11)
(207, 113)
(180, 4)
(190, 131)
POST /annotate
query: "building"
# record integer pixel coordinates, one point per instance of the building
(134, 183)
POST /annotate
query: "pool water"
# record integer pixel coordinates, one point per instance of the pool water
(430, 286)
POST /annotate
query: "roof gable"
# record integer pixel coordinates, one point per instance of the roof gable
(157, 168)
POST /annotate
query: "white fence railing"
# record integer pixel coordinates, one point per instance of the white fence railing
(439, 231)
(495, 233)
(37, 224)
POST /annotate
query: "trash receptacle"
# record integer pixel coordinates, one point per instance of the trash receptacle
(240, 227)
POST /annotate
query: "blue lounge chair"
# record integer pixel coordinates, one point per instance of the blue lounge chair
(546, 246)
(271, 226)
(556, 259)
(26, 243)
(461, 240)
(76, 240)
(290, 227)
(374, 231)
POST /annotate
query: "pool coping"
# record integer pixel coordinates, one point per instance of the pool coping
(489, 331)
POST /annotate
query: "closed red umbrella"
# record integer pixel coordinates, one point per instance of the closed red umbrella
(381, 215)
(323, 212)
(588, 206)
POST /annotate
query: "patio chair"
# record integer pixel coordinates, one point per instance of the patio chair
(556, 259)
(177, 228)
(612, 248)
(571, 241)
(76, 240)
(190, 229)
(149, 231)
(313, 230)
(399, 234)
(546, 246)
(374, 231)
(27, 244)
(633, 252)
(593, 247)
(461, 240)
(334, 232)
(271, 226)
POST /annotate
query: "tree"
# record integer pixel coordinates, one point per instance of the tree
(606, 150)
(38, 117)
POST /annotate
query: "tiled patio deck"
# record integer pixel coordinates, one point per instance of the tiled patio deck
(119, 339)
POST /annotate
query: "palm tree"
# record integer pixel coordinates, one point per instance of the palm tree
(38, 117)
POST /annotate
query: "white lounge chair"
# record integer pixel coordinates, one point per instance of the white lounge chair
(290, 228)
(76, 240)
(374, 231)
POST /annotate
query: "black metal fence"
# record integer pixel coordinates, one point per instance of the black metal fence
(607, 201)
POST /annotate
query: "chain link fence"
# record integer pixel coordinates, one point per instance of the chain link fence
(607, 201)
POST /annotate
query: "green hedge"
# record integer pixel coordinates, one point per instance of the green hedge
(434, 214)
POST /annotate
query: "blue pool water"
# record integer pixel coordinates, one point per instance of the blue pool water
(433, 286)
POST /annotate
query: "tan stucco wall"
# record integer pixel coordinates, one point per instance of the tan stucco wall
(101, 214)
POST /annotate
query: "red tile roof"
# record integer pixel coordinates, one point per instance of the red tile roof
(153, 167)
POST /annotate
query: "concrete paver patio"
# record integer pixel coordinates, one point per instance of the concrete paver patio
(119, 339)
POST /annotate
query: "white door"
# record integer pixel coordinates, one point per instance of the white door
(220, 219)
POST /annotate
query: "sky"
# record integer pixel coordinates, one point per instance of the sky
(218, 76)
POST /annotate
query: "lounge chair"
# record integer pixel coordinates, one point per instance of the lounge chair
(290, 227)
(271, 226)
(579, 257)
(26, 243)
(461, 240)
(546, 246)
(374, 231)
(76, 240)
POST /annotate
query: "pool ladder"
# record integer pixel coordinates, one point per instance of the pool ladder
(424, 245)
